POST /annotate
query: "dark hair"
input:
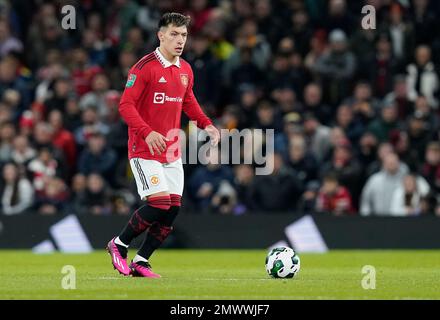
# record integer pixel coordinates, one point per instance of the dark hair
(15, 194)
(331, 177)
(175, 19)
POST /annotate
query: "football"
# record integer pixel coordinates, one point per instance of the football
(282, 262)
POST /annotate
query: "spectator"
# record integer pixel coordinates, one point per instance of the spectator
(8, 43)
(96, 198)
(423, 110)
(205, 67)
(346, 166)
(243, 177)
(419, 134)
(206, 181)
(401, 145)
(225, 199)
(407, 198)
(339, 17)
(352, 127)
(307, 202)
(53, 198)
(367, 150)
(399, 97)
(58, 99)
(317, 137)
(301, 31)
(97, 96)
(313, 104)
(44, 167)
(246, 73)
(303, 162)
(334, 198)
(7, 133)
(117, 133)
(63, 140)
(73, 116)
(423, 78)
(268, 117)
(317, 49)
(91, 124)
(431, 166)
(267, 25)
(16, 192)
(79, 184)
(381, 69)
(286, 100)
(97, 158)
(247, 37)
(82, 71)
(401, 33)
(22, 152)
(118, 76)
(278, 191)
(430, 205)
(383, 126)
(14, 86)
(378, 191)
(363, 103)
(336, 68)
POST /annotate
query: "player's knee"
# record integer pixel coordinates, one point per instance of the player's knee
(176, 200)
(160, 201)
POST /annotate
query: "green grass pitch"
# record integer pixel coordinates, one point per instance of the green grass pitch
(223, 274)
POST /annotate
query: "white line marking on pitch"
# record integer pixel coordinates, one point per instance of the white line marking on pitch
(208, 279)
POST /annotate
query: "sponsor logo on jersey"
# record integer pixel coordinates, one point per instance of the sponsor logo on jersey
(184, 79)
(160, 98)
(154, 180)
(162, 80)
(130, 81)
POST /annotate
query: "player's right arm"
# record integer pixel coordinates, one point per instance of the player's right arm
(135, 86)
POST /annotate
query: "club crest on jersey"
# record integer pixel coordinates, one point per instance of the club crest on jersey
(154, 180)
(130, 81)
(184, 79)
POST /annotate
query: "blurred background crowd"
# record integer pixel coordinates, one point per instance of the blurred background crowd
(355, 112)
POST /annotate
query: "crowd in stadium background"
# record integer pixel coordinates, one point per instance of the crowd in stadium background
(355, 111)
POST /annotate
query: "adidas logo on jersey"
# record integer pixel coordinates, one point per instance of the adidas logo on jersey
(162, 80)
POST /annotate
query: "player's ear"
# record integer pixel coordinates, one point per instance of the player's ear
(161, 34)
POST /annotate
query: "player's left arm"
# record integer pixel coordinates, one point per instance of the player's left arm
(192, 109)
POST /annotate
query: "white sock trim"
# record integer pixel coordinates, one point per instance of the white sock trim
(138, 258)
(118, 241)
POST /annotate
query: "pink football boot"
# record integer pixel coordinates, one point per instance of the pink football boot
(119, 263)
(142, 269)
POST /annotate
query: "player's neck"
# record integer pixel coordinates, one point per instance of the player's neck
(170, 58)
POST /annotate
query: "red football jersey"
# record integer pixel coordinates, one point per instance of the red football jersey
(155, 94)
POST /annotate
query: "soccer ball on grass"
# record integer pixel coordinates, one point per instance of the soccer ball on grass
(282, 262)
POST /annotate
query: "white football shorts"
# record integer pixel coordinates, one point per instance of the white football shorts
(152, 176)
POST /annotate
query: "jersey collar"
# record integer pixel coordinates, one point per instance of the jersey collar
(165, 63)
